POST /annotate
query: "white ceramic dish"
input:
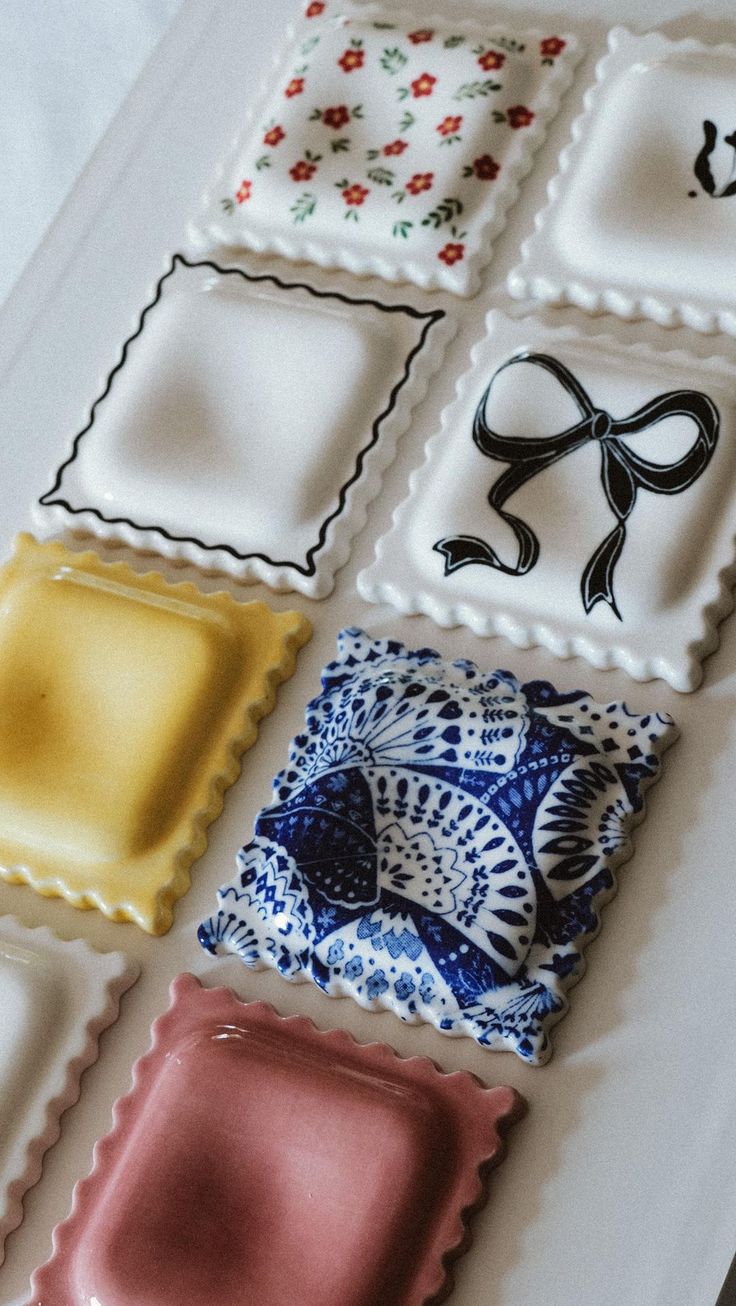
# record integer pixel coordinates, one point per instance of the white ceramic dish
(246, 424)
(575, 497)
(390, 148)
(642, 214)
(57, 998)
(415, 842)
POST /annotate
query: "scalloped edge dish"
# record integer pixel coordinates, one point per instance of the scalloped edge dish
(138, 871)
(476, 1119)
(546, 275)
(393, 794)
(208, 232)
(92, 984)
(687, 637)
(85, 510)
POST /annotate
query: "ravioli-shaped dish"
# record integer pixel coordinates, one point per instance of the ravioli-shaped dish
(57, 998)
(246, 423)
(389, 144)
(576, 496)
(256, 1152)
(125, 705)
(441, 842)
(641, 219)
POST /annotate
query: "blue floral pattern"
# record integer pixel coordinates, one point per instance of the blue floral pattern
(441, 841)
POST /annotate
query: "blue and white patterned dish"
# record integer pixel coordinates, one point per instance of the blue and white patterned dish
(441, 842)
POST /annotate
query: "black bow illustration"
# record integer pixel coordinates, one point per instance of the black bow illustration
(623, 472)
(702, 168)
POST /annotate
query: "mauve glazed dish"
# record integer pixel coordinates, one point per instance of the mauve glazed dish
(441, 842)
(256, 1153)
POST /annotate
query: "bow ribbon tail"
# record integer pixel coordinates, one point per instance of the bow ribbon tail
(462, 550)
(596, 585)
(701, 167)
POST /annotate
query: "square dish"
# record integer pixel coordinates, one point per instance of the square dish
(57, 999)
(441, 842)
(641, 219)
(390, 145)
(576, 497)
(125, 704)
(255, 1152)
(210, 444)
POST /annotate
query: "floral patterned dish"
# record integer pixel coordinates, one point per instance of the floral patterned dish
(641, 217)
(125, 705)
(575, 497)
(214, 444)
(57, 998)
(389, 145)
(441, 842)
(255, 1153)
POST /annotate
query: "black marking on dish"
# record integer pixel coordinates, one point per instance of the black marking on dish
(309, 567)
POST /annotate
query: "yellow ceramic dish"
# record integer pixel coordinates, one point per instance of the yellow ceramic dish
(125, 705)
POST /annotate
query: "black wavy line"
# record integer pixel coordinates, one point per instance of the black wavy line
(309, 568)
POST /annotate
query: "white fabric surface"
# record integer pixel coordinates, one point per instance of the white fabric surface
(65, 69)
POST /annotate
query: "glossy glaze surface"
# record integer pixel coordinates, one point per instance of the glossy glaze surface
(441, 841)
(247, 422)
(389, 148)
(577, 497)
(641, 216)
(57, 998)
(122, 700)
(258, 1159)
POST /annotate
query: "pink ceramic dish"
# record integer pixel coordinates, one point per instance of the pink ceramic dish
(255, 1153)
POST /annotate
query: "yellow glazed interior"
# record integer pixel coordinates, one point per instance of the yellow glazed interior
(125, 703)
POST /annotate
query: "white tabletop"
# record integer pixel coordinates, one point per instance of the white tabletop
(65, 68)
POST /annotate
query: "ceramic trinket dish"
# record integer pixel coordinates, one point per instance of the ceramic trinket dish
(441, 842)
(212, 444)
(57, 998)
(390, 144)
(256, 1152)
(642, 214)
(125, 705)
(575, 497)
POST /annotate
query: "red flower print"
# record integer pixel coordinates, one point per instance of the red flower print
(395, 147)
(355, 194)
(351, 60)
(424, 34)
(244, 192)
(274, 135)
(302, 171)
(486, 168)
(315, 9)
(451, 253)
(423, 85)
(551, 46)
(519, 116)
(336, 117)
(449, 125)
(419, 182)
(491, 59)
(295, 87)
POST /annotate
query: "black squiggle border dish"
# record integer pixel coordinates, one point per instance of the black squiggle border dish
(52, 497)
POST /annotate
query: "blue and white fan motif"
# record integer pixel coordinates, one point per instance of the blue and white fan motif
(441, 841)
